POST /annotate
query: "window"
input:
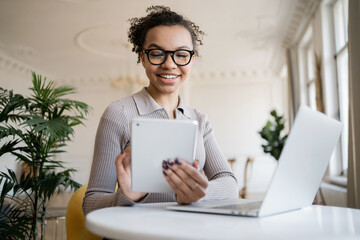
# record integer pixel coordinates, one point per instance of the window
(325, 32)
(340, 11)
(307, 69)
(310, 84)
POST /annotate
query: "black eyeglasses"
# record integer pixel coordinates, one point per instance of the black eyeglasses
(180, 57)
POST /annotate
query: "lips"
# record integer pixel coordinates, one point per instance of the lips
(168, 78)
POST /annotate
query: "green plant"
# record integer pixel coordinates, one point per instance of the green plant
(34, 129)
(272, 133)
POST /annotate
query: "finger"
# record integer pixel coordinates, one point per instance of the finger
(172, 184)
(177, 183)
(128, 150)
(127, 161)
(181, 197)
(188, 173)
(123, 163)
(191, 189)
(196, 164)
(185, 194)
(180, 173)
(119, 162)
(127, 153)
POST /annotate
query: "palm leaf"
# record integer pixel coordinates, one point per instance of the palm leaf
(9, 103)
(8, 146)
(15, 222)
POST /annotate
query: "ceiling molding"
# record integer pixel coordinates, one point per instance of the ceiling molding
(18, 51)
(305, 10)
(300, 13)
(135, 80)
(16, 67)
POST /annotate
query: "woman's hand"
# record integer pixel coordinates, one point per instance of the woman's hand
(185, 179)
(123, 169)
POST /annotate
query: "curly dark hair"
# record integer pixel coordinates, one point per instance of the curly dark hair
(160, 16)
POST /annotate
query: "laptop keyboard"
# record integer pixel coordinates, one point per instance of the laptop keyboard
(242, 207)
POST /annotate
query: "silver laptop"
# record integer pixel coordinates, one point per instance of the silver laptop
(300, 170)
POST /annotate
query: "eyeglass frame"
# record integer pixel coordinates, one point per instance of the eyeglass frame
(147, 51)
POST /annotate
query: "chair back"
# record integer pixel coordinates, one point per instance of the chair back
(75, 220)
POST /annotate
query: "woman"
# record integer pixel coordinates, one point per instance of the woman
(166, 44)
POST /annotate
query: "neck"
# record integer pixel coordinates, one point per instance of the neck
(168, 101)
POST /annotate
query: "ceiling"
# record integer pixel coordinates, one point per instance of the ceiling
(80, 39)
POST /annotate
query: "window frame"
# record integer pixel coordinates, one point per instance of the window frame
(307, 82)
(343, 101)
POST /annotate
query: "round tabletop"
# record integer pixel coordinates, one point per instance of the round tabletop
(314, 222)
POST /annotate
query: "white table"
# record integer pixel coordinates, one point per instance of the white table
(315, 222)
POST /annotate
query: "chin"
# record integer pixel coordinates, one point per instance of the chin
(169, 90)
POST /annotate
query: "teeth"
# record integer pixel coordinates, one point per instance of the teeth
(168, 76)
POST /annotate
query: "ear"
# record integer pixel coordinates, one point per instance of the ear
(142, 58)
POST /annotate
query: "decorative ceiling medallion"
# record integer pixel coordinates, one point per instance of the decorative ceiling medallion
(107, 41)
(263, 36)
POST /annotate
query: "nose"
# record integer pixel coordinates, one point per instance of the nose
(169, 62)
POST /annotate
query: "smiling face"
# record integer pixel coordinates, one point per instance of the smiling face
(166, 78)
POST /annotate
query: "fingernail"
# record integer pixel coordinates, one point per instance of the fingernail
(164, 173)
(165, 166)
(177, 161)
(170, 162)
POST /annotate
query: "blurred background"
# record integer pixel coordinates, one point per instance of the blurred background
(257, 56)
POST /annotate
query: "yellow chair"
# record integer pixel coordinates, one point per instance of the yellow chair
(75, 220)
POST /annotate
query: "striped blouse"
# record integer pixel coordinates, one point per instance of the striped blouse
(113, 135)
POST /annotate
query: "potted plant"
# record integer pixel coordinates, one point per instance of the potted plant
(272, 133)
(34, 129)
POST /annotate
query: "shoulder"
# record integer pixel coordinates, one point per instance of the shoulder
(117, 109)
(199, 116)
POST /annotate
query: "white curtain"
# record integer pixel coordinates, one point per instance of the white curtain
(354, 105)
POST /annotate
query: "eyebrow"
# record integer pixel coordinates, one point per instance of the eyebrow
(157, 46)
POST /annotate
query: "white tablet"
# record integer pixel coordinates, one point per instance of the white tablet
(155, 140)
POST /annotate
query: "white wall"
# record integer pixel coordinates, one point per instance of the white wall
(238, 107)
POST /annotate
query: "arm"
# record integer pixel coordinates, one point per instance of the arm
(222, 182)
(112, 138)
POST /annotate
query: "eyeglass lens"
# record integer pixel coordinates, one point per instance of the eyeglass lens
(180, 57)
